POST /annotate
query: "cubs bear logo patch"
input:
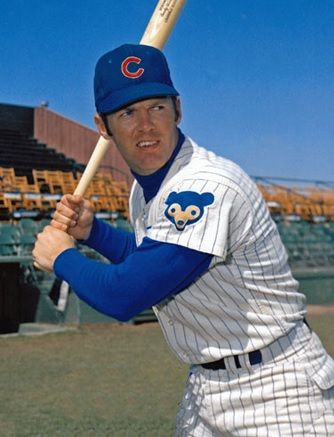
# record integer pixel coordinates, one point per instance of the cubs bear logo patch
(186, 207)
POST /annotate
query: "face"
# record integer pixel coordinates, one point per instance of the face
(145, 133)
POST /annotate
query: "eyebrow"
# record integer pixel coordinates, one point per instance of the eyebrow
(152, 99)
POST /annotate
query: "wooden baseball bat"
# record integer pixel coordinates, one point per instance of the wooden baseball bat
(156, 34)
(162, 23)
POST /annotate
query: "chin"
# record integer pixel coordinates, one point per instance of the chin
(149, 169)
(146, 172)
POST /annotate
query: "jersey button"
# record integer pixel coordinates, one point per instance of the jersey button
(170, 322)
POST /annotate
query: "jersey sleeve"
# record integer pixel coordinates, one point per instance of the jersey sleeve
(212, 217)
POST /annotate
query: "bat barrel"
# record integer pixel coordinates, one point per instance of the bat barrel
(162, 22)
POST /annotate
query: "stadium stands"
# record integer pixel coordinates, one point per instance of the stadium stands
(308, 244)
(304, 213)
(19, 151)
(315, 203)
(33, 177)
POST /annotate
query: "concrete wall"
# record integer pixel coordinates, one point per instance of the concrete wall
(75, 141)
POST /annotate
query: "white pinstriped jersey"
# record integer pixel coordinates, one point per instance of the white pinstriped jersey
(248, 297)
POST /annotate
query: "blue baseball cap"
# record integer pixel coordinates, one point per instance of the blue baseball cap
(130, 73)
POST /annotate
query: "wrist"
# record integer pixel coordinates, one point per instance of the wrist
(89, 232)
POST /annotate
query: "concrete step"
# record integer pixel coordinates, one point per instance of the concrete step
(43, 328)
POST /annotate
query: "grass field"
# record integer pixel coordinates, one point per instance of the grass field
(103, 380)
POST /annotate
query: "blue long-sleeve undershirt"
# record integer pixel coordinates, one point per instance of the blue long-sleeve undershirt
(114, 244)
(148, 275)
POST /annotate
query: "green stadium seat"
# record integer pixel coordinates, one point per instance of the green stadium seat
(9, 229)
(28, 226)
(42, 223)
(8, 245)
(26, 243)
(123, 224)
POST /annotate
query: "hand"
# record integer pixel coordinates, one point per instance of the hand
(50, 243)
(74, 215)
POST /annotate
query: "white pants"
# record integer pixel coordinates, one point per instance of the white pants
(290, 394)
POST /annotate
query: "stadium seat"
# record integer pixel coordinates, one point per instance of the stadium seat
(28, 226)
(7, 178)
(40, 179)
(123, 224)
(9, 239)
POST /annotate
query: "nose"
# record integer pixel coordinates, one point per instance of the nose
(181, 220)
(145, 121)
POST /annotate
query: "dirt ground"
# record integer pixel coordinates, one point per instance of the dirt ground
(315, 310)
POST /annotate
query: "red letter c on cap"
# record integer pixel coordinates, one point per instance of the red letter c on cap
(129, 74)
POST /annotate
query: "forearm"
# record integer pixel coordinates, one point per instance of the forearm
(114, 244)
(149, 275)
(95, 283)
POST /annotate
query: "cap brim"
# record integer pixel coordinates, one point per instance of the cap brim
(132, 94)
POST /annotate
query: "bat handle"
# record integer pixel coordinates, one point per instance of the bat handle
(92, 166)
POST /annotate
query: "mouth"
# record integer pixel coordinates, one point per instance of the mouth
(147, 144)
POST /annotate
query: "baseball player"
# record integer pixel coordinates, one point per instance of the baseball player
(206, 255)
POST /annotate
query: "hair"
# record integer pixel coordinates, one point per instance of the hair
(104, 117)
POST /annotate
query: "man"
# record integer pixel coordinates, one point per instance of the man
(206, 255)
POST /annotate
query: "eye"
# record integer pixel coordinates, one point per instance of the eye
(157, 108)
(125, 113)
(193, 212)
(174, 209)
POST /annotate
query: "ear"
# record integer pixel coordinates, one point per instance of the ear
(171, 198)
(178, 111)
(207, 198)
(100, 126)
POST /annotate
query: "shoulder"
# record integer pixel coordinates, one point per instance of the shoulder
(204, 170)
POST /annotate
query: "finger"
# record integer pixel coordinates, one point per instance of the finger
(67, 211)
(51, 232)
(45, 237)
(61, 226)
(71, 200)
(39, 267)
(35, 262)
(63, 220)
(87, 204)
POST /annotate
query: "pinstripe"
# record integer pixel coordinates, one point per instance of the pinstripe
(222, 310)
(242, 297)
(219, 214)
(253, 301)
(279, 433)
(272, 296)
(240, 329)
(212, 404)
(247, 300)
(270, 264)
(192, 336)
(209, 320)
(210, 337)
(290, 413)
(238, 226)
(253, 409)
